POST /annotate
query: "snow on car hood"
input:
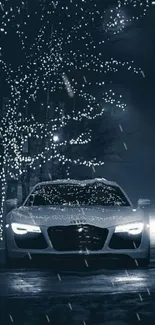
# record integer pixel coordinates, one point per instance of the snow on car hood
(67, 215)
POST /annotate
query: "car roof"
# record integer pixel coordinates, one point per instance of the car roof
(78, 182)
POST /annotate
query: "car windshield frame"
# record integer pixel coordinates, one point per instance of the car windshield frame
(78, 202)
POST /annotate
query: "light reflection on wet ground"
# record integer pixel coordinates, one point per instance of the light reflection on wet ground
(107, 295)
(34, 283)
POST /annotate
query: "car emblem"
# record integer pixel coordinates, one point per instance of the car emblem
(80, 229)
(78, 221)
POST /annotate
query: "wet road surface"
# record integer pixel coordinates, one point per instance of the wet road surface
(101, 294)
(34, 283)
(107, 295)
(128, 308)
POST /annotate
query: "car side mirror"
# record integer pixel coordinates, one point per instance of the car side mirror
(144, 203)
(9, 205)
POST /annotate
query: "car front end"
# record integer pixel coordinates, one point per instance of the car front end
(57, 231)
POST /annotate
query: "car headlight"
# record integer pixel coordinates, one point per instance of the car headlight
(21, 229)
(134, 228)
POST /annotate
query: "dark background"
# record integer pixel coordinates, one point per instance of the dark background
(136, 170)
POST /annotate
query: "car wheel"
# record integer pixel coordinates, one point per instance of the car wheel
(8, 260)
(13, 263)
(143, 262)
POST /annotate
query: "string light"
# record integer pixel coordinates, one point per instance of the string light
(117, 18)
(71, 59)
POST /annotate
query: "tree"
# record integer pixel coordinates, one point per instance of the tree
(67, 61)
(2, 184)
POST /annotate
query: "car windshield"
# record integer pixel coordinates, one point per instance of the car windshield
(62, 194)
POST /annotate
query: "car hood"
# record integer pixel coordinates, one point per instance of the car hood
(67, 215)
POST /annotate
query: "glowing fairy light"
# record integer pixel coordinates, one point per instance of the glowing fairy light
(61, 65)
(116, 18)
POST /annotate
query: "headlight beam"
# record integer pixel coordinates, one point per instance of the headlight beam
(22, 229)
(134, 228)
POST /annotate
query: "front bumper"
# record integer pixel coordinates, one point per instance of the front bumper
(136, 247)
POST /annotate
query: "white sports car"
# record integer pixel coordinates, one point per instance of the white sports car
(69, 217)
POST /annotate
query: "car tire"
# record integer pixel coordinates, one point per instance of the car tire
(13, 263)
(143, 262)
(8, 261)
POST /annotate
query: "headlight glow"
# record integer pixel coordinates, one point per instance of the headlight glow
(21, 229)
(134, 228)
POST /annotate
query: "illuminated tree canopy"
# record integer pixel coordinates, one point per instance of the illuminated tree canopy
(59, 50)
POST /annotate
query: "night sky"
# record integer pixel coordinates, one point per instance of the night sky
(135, 169)
(138, 172)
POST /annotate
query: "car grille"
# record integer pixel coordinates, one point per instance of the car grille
(77, 237)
